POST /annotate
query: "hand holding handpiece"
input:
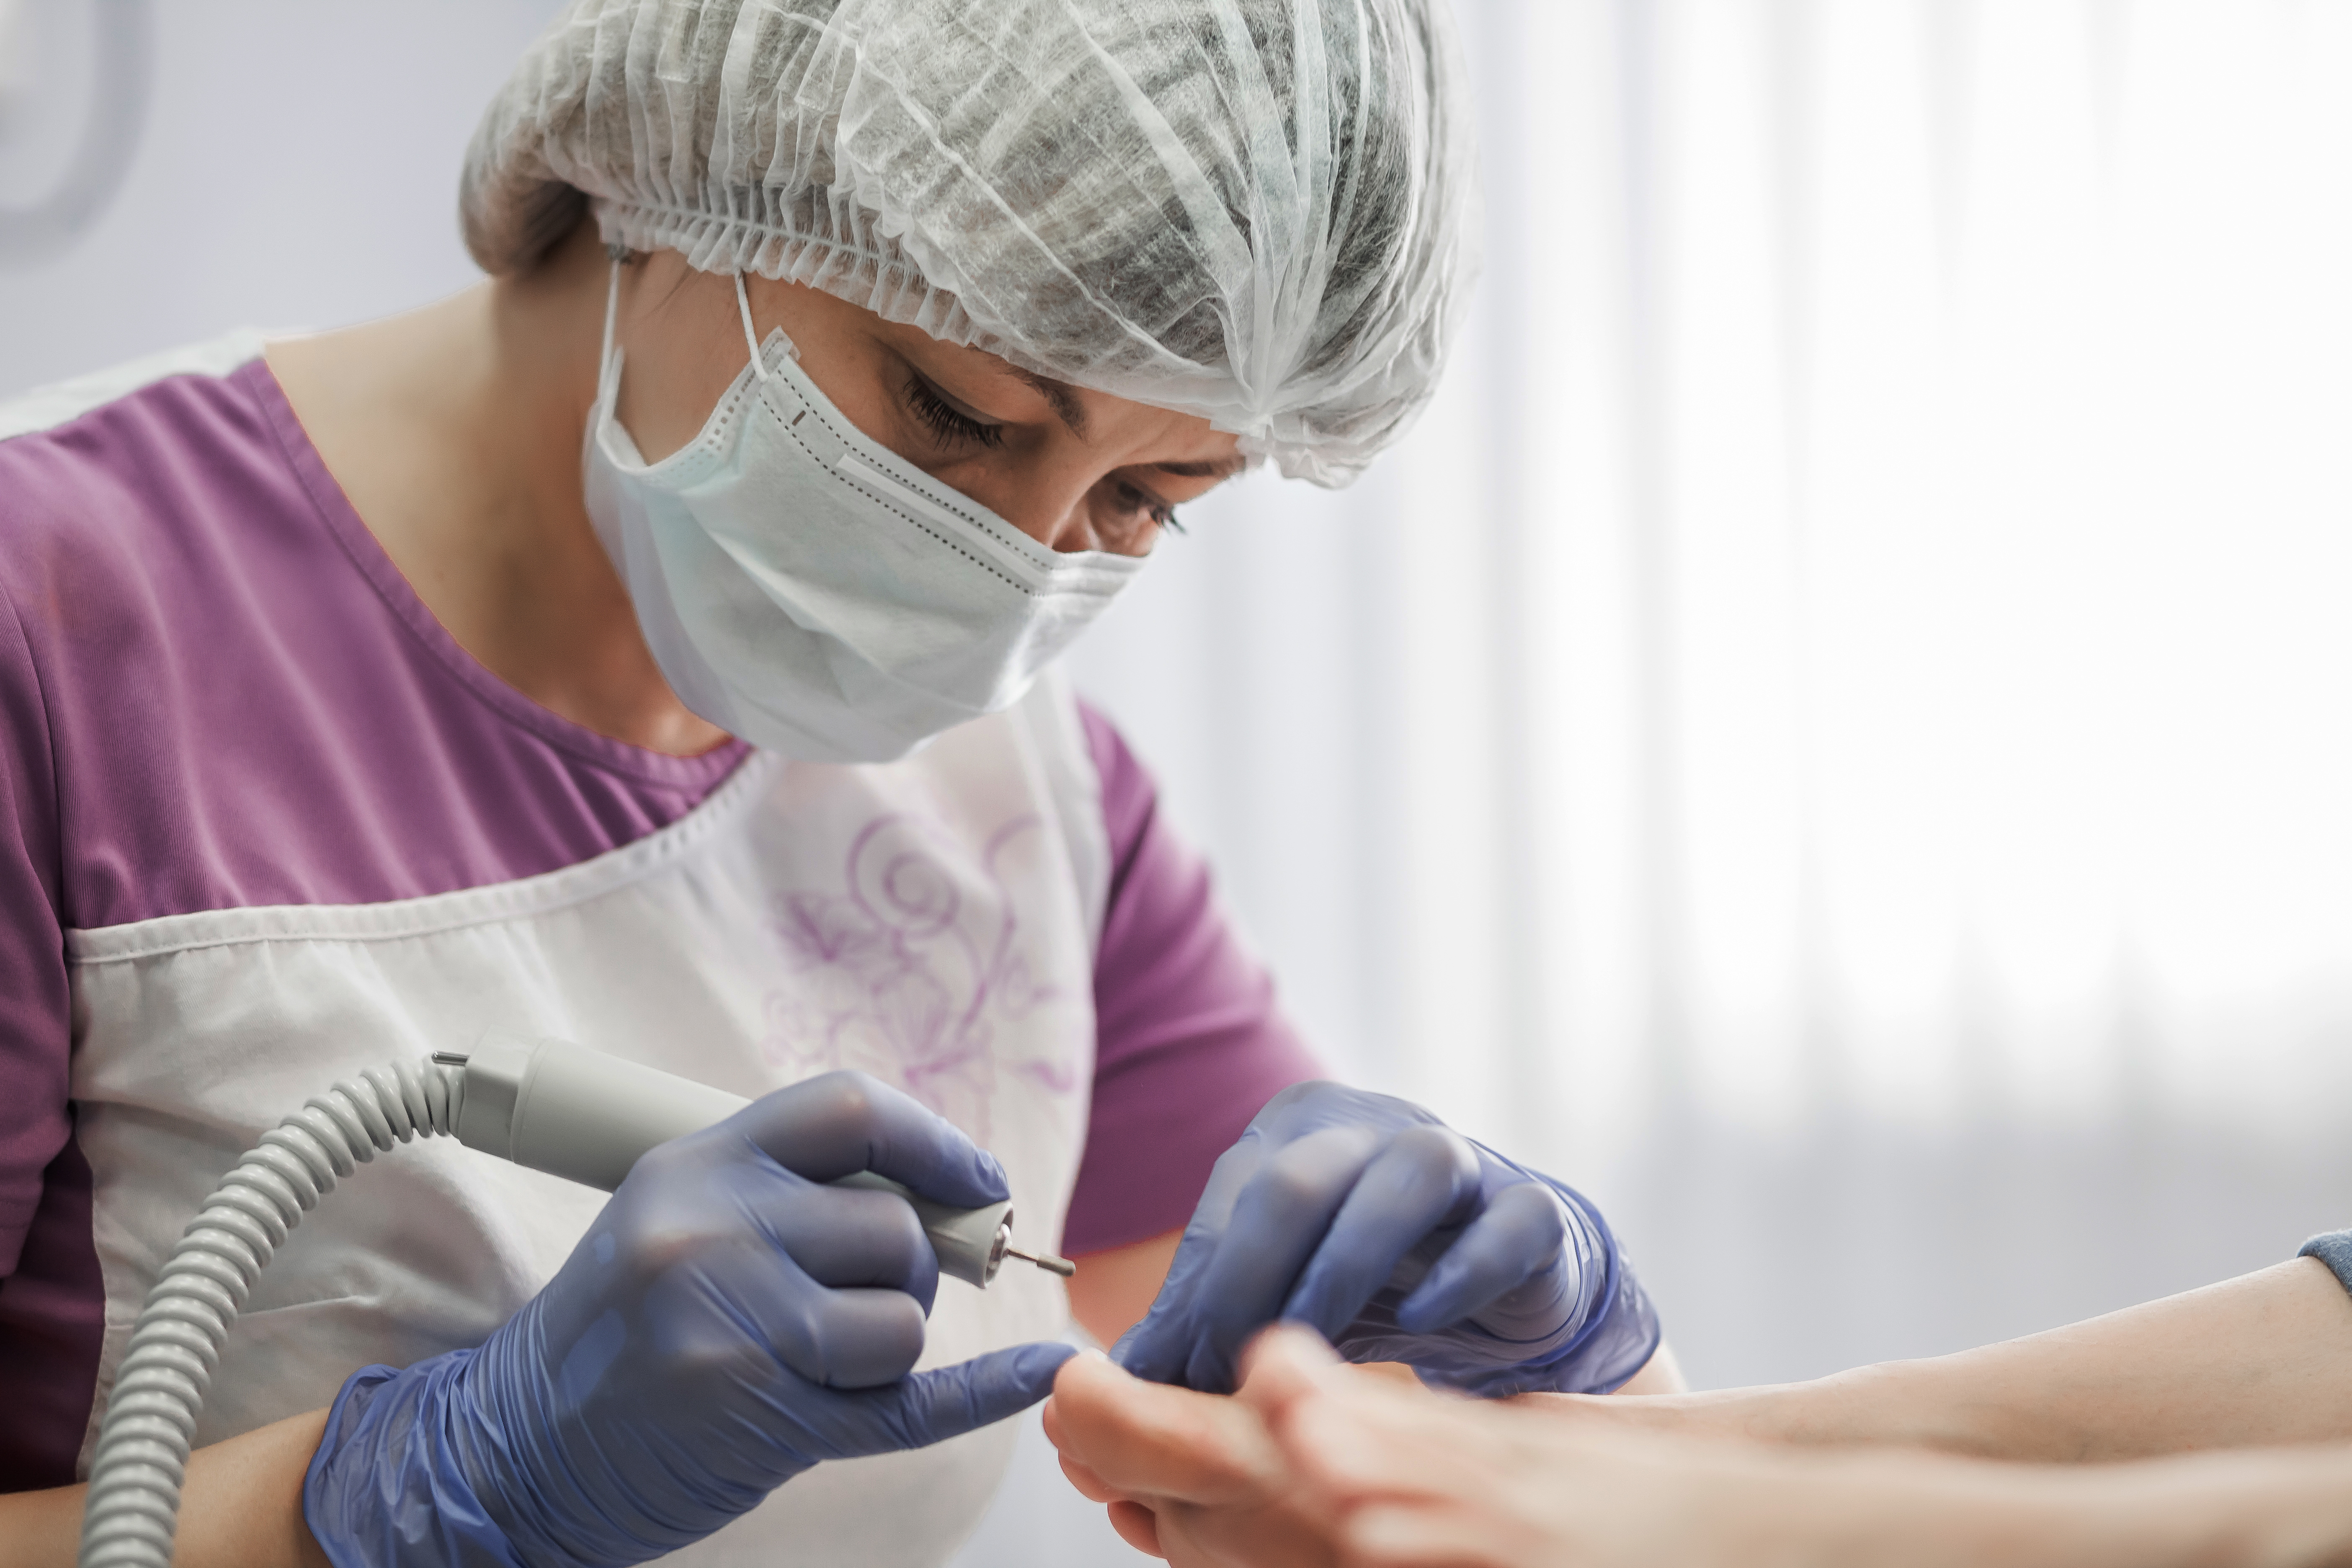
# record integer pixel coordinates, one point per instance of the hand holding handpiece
(1398, 1240)
(731, 1320)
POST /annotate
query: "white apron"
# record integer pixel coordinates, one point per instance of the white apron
(931, 921)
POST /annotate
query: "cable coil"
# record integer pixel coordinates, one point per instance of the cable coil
(133, 1503)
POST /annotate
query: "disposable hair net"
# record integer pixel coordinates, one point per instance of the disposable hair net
(1253, 210)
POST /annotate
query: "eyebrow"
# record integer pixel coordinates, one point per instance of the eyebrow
(1221, 468)
(1060, 397)
(1064, 400)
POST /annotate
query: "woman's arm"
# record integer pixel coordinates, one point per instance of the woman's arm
(241, 1506)
(1113, 1290)
(2263, 1359)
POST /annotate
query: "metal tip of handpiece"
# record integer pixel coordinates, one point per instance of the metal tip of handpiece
(1046, 1261)
(450, 1058)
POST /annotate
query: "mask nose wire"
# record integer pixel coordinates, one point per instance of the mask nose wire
(751, 339)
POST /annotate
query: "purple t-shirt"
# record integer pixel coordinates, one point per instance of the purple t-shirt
(217, 691)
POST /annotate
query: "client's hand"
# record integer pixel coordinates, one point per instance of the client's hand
(1391, 1476)
(1314, 1464)
(1317, 1463)
(1397, 1479)
(1192, 1478)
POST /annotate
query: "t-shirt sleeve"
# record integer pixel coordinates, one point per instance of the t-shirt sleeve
(1188, 1044)
(34, 1011)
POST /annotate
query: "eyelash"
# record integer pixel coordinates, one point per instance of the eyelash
(949, 427)
(1165, 516)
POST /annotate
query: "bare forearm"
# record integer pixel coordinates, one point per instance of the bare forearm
(1112, 1290)
(2265, 1358)
(2271, 1509)
(240, 1508)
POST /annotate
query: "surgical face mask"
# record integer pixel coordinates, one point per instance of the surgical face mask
(806, 590)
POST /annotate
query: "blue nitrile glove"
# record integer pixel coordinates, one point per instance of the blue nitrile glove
(727, 1323)
(1371, 1221)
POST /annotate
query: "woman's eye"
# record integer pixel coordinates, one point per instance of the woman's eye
(1137, 502)
(949, 425)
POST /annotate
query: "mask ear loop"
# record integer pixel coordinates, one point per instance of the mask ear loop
(606, 380)
(751, 340)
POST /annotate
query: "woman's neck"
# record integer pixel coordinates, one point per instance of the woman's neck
(456, 433)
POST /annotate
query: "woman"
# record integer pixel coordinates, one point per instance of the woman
(652, 647)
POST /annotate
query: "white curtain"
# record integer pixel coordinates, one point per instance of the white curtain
(1832, 733)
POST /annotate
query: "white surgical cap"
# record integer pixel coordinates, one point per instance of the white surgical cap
(1253, 210)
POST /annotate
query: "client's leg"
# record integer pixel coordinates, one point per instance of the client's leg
(1394, 1477)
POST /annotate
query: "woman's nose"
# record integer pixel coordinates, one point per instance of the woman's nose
(1050, 508)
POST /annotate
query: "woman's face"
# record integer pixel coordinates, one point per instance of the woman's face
(1072, 468)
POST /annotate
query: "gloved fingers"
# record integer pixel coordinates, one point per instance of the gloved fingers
(831, 1126)
(1304, 1107)
(849, 1236)
(1157, 1347)
(1521, 1236)
(854, 1338)
(930, 1407)
(1154, 1350)
(1278, 1219)
(1426, 1177)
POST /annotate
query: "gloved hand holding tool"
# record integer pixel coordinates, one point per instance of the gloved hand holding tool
(729, 1321)
(1398, 1239)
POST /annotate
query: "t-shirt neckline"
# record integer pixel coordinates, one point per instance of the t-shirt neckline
(365, 553)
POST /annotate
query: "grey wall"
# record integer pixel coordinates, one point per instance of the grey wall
(300, 169)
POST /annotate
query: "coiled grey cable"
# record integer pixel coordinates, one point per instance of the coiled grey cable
(132, 1507)
(546, 1105)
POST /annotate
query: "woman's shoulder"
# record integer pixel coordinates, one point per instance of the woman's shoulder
(47, 409)
(227, 692)
(114, 485)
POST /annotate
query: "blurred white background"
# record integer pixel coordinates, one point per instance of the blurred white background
(1831, 735)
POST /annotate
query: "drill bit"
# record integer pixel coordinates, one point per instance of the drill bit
(1046, 1261)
